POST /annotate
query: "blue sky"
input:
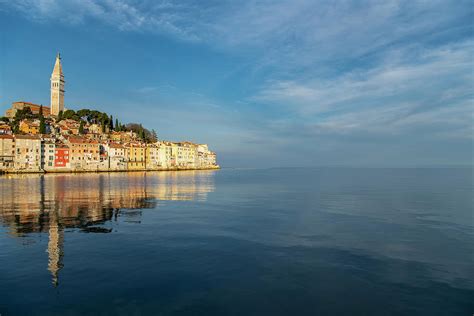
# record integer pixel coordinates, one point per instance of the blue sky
(265, 83)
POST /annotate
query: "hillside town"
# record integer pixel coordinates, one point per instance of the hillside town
(37, 138)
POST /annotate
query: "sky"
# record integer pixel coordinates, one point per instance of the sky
(264, 83)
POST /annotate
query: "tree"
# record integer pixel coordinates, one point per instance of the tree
(42, 127)
(111, 123)
(24, 113)
(154, 137)
(84, 114)
(71, 115)
(15, 127)
(60, 116)
(81, 127)
(117, 127)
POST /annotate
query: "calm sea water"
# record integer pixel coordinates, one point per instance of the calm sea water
(239, 242)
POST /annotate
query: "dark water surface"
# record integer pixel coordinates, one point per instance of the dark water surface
(239, 242)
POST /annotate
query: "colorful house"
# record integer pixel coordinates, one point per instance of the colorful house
(61, 156)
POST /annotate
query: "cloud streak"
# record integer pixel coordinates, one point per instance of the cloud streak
(399, 95)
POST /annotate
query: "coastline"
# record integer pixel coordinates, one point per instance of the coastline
(4, 172)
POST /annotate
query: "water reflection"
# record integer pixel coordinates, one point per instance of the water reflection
(52, 203)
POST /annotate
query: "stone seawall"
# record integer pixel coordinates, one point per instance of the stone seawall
(107, 170)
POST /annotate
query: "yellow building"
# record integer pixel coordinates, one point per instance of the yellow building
(30, 127)
(84, 153)
(136, 154)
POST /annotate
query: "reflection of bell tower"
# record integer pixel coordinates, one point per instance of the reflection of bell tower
(55, 246)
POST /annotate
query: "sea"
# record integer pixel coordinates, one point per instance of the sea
(282, 241)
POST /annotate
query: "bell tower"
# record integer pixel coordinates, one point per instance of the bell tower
(57, 87)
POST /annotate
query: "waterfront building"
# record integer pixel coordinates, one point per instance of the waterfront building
(117, 156)
(152, 157)
(57, 87)
(164, 154)
(48, 147)
(7, 152)
(27, 153)
(35, 109)
(205, 157)
(61, 157)
(136, 156)
(186, 155)
(84, 154)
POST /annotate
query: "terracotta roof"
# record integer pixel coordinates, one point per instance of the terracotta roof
(6, 136)
(29, 104)
(116, 146)
(36, 137)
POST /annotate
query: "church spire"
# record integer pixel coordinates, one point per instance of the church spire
(57, 87)
(58, 69)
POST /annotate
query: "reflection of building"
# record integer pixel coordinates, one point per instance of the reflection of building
(55, 247)
(52, 203)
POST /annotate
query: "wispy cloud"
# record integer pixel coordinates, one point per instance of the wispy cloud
(403, 91)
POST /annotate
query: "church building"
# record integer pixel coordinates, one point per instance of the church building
(57, 87)
(57, 95)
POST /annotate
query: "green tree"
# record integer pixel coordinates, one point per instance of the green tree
(84, 114)
(117, 127)
(81, 127)
(71, 115)
(111, 123)
(16, 128)
(60, 116)
(42, 127)
(154, 137)
(24, 113)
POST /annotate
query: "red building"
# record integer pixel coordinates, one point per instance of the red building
(61, 156)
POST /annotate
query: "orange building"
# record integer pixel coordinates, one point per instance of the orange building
(83, 153)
